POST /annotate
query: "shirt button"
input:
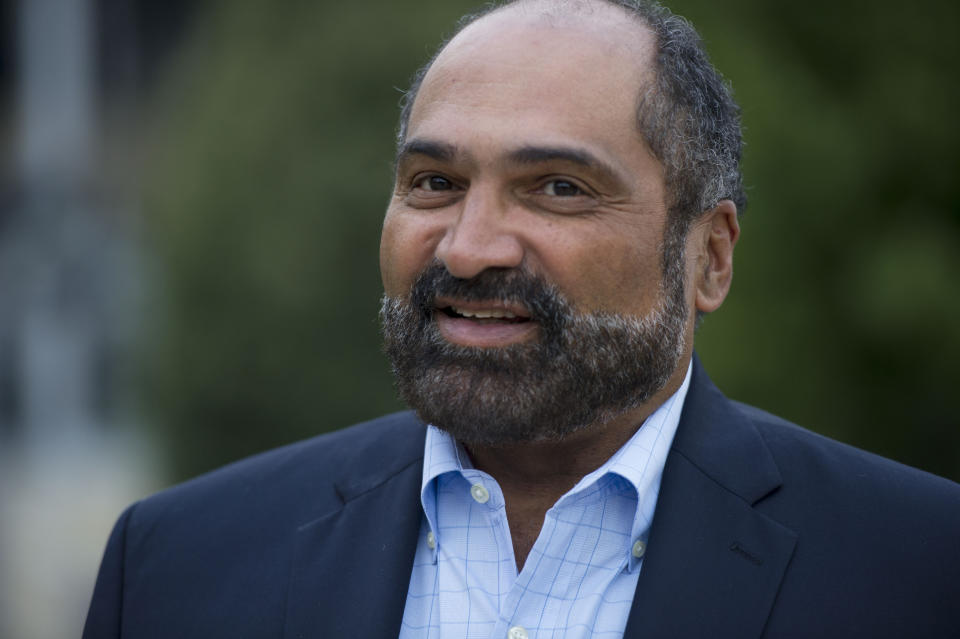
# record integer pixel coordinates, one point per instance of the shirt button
(480, 494)
(638, 549)
(431, 540)
(517, 632)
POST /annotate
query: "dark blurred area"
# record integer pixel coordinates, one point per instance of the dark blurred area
(190, 202)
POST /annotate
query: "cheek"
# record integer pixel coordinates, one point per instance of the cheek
(611, 274)
(633, 282)
(405, 250)
(391, 264)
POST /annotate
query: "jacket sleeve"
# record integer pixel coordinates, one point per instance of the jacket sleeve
(103, 618)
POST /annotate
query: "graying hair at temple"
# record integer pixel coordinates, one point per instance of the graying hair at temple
(687, 117)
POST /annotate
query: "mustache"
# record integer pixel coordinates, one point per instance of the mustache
(507, 285)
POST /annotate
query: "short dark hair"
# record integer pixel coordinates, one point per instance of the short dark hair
(687, 115)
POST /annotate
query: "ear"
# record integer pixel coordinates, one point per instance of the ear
(715, 234)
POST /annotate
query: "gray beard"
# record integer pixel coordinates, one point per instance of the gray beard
(584, 368)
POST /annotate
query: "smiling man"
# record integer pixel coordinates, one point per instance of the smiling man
(565, 208)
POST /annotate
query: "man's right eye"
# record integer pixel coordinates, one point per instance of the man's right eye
(433, 183)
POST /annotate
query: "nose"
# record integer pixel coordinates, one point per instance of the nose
(480, 237)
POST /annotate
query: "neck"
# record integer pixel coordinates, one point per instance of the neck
(533, 476)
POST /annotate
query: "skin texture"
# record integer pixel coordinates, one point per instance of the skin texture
(523, 148)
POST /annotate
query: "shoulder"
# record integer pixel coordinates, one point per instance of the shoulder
(875, 534)
(821, 461)
(179, 561)
(856, 501)
(296, 481)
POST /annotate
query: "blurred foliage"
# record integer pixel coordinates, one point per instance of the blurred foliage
(272, 166)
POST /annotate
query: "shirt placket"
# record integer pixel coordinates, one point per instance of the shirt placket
(487, 523)
(518, 608)
(554, 568)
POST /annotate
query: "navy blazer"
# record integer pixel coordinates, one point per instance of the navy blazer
(762, 529)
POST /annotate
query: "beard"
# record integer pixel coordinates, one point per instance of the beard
(583, 368)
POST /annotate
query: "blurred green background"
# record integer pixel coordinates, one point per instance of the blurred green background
(270, 167)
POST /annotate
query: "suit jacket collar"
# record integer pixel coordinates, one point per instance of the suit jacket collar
(713, 564)
(352, 565)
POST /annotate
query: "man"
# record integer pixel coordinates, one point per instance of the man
(565, 207)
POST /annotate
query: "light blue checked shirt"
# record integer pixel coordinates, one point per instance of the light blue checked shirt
(580, 576)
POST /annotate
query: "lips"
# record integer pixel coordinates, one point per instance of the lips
(481, 314)
(483, 324)
(484, 314)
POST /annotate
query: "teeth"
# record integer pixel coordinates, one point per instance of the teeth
(491, 314)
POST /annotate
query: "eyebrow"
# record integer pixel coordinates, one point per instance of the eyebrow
(538, 154)
(573, 155)
(440, 151)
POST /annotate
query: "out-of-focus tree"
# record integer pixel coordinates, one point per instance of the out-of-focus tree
(272, 166)
(842, 316)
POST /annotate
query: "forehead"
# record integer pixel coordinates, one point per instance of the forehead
(523, 71)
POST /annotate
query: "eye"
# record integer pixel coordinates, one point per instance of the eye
(434, 183)
(562, 188)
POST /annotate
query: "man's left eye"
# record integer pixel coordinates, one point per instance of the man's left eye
(562, 188)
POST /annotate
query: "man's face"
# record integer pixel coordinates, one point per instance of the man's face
(521, 251)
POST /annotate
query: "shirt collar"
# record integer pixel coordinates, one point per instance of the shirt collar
(639, 461)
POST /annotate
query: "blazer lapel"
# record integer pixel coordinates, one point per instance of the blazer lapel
(713, 563)
(352, 566)
(712, 568)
